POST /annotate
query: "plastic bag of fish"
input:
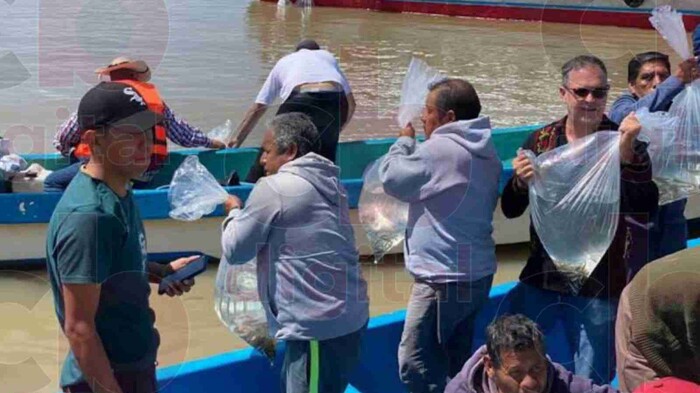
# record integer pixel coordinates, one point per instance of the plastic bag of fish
(575, 202)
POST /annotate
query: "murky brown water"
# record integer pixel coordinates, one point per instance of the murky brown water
(209, 59)
(33, 346)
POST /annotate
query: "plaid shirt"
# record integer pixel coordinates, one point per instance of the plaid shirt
(178, 130)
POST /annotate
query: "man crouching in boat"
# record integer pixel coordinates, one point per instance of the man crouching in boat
(451, 184)
(96, 252)
(544, 293)
(296, 222)
(515, 360)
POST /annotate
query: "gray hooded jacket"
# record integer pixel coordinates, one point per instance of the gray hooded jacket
(297, 224)
(451, 183)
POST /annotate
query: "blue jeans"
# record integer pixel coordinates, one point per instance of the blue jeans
(588, 324)
(670, 232)
(437, 333)
(335, 360)
(59, 179)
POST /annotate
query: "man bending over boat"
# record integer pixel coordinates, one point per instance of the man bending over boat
(652, 86)
(451, 184)
(544, 294)
(96, 252)
(515, 360)
(296, 223)
(309, 81)
(658, 324)
(136, 74)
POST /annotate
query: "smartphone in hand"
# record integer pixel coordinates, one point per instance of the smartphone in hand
(191, 270)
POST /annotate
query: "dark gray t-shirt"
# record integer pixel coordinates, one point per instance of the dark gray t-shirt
(96, 237)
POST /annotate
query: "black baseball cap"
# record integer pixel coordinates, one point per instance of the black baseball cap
(111, 104)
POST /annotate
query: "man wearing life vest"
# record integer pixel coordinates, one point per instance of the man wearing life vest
(136, 74)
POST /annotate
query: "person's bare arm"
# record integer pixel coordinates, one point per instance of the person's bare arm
(157, 271)
(351, 109)
(80, 303)
(687, 70)
(251, 118)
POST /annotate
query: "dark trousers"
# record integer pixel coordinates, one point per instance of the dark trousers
(437, 333)
(328, 111)
(670, 231)
(588, 323)
(132, 382)
(321, 366)
(59, 179)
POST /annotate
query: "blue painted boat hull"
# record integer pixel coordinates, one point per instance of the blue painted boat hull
(246, 371)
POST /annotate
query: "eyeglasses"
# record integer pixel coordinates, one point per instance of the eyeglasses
(582, 92)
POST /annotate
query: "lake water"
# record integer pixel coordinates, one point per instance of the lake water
(209, 58)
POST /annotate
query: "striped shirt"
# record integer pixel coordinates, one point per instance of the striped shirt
(178, 131)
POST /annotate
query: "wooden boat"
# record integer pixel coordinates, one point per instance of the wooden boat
(247, 371)
(621, 13)
(24, 216)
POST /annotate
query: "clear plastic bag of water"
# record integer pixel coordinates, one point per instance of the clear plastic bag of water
(670, 161)
(686, 107)
(222, 132)
(414, 90)
(674, 147)
(238, 305)
(669, 23)
(12, 164)
(383, 217)
(194, 192)
(575, 202)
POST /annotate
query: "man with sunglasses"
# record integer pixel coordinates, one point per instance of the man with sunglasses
(652, 86)
(543, 293)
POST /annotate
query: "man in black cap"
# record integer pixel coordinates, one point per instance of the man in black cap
(308, 81)
(96, 251)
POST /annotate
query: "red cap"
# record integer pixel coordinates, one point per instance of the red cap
(668, 385)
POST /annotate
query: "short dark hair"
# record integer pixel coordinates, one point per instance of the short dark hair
(295, 128)
(642, 58)
(580, 62)
(307, 44)
(512, 333)
(457, 95)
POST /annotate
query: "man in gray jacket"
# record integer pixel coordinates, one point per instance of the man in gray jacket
(514, 360)
(296, 222)
(451, 184)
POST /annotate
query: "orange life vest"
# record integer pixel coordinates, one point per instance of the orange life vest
(150, 94)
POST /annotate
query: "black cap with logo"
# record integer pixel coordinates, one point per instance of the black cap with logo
(111, 104)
